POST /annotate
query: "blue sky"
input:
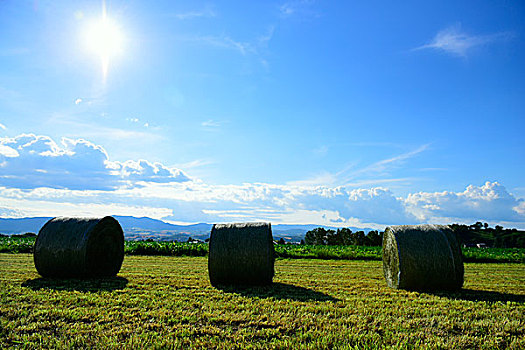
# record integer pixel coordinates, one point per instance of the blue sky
(336, 113)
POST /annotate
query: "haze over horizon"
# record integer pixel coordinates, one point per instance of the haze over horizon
(293, 112)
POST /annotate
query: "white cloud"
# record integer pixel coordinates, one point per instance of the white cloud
(143, 170)
(88, 101)
(2, 126)
(520, 208)
(279, 201)
(455, 41)
(51, 208)
(377, 205)
(31, 161)
(8, 152)
(39, 177)
(490, 202)
(195, 201)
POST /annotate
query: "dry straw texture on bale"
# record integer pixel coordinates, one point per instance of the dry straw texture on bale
(422, 257)
(241, 254)
(79, 247)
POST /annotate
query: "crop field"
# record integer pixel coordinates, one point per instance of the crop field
(349, 252)
(168, 302)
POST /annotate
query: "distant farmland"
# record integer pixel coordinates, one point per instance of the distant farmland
(292, 251)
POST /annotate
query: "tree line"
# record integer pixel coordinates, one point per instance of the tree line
(343, 236)
(468, 235)
(497, 237)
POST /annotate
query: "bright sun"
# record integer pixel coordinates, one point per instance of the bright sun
(104, 38)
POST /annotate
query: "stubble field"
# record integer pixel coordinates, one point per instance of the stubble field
(168, 302)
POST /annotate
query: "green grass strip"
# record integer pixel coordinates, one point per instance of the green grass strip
(286, 251)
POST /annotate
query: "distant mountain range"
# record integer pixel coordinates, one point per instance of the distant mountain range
(148, 228)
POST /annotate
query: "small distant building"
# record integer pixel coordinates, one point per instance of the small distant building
(475, 245)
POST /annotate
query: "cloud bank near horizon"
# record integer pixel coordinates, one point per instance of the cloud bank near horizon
(75, 177)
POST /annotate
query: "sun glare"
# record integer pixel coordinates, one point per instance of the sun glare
(104, 38)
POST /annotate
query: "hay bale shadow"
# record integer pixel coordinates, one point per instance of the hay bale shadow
(481, 295)
(77, 284)
(278, 291)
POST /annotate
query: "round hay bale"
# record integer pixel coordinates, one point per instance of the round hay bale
(79, 247)
(241, 254)
(422, 257)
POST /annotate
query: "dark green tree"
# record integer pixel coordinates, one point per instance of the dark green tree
(359, 238)
(346, 237)
(316, 236)
(373, 238)
(332, 238)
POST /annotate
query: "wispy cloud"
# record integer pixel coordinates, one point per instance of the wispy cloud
(207, 12)
(455, 41)
(138, 121)
(242, 47)
(287, 9)
(323, 179)
(88, 101)
(197, 163)
(266, 37)
(321, 151)
(210, 123)
(297, 7)
(386, 164)
(373, 174)
(2, 126)
(93, 129)
(253, 47)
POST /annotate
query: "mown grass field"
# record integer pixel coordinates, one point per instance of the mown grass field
(167, 302)
(293, 251)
